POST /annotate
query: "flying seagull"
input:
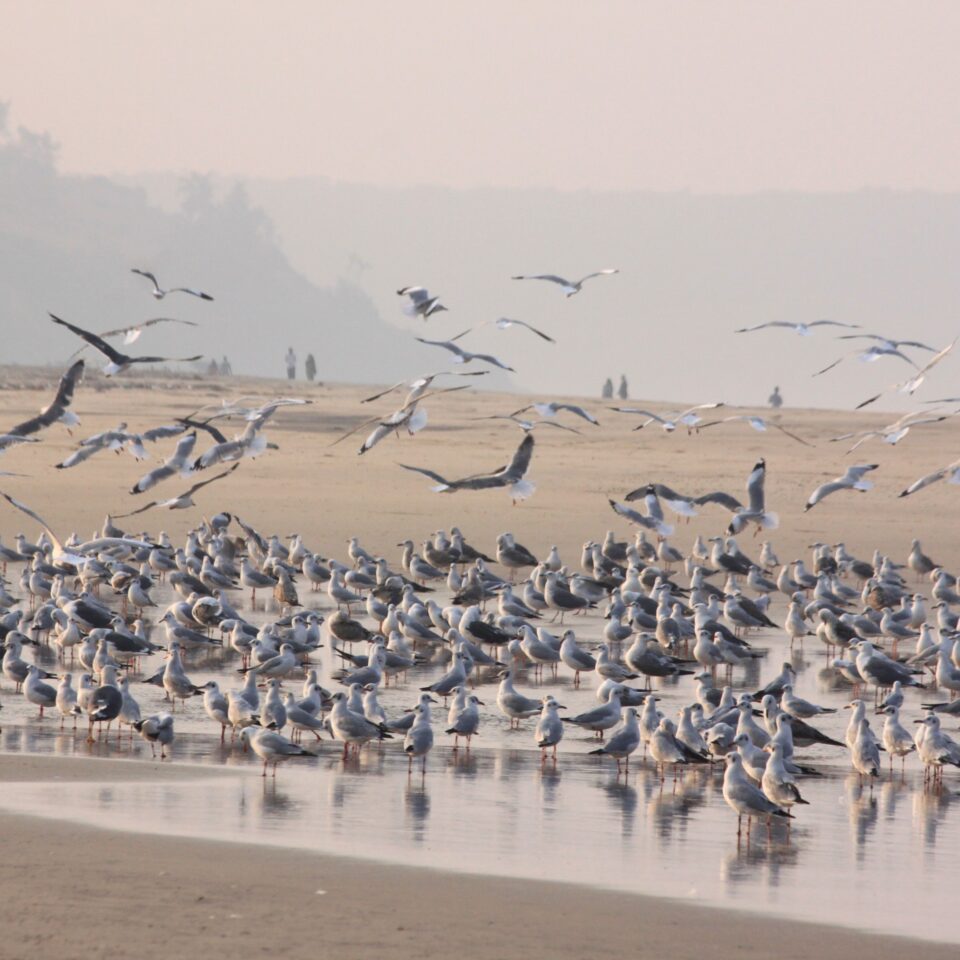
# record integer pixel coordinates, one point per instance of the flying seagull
(887, 341)
(527, 425)
(421, 303)
(118, 361)
(804, 329)
(505, 323)
(159, 294)
(132, 333)
(756, 510)
(950, 473)
(894, 432)
(464, 356)
(913, 384)
(758, 424)
(551, 409)
(510, 476)
(872, 353)
(569, 287)
(182, 501)
(418, 386)
(688, 418)
(851, 480)
(58, 408)
(177, 463)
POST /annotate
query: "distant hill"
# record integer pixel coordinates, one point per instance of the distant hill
(67, 245)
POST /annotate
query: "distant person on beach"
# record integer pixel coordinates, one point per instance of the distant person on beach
(310, 367)
(775, 400)
(291, 361)
(607, 392)
(225, 369)
(622, 391)
(213, 370)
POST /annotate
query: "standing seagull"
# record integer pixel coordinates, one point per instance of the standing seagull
(421, 303)
(569, 287)
(510, 476)
(464, 356)
(58, 408)
(159, 294)
(118, 361)
(851, 480)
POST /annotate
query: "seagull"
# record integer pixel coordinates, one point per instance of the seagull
(181, 502)
(887, 341)
(510, 476)
(744, 797)
(421, 303)
(851, 480)
(464, 356)
(869, 355)
(159, 294)
(894, 432)
(756, 510)
(132, 333)
(950, 473)
(688, 418)
(803, 329)
(418, 386)
(527, 425)
(177, 463)
(914, 383)
(569, 287)
(505, 323)
(118, 361)
(758, 424)
(58, 408)
(271, 747)
(652, 522)
(553, 407)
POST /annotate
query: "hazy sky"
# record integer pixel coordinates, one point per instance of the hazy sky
(708, 96)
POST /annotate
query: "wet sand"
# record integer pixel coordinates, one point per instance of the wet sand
(111, 893)
(100, 893)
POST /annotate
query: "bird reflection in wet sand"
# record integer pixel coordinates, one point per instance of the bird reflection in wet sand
(416, 803)
(624, 800)
(862, 811)
(744, 865)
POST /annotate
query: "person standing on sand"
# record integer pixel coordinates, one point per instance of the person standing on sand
(607, 392)
(291, 361)
(310, 366)
(775, 400)
(622, 391)
(225, 369)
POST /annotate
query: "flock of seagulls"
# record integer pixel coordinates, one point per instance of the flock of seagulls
(99, 601)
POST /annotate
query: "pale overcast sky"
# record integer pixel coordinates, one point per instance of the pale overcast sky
(710, 96)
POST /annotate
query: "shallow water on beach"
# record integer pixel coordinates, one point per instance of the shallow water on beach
(880, 860)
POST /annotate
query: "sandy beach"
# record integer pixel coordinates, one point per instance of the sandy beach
(119, 893)
(106, 893)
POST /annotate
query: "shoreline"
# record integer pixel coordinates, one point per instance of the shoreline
(399, 911)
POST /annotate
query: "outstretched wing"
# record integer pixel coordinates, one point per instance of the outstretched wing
(505, 323)
(203, 483)
(148, 275)
(93, 340)
(551, 277)
(193, 293)
(520, 463)
(598, 273)
(51, 413)
(427, 473)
